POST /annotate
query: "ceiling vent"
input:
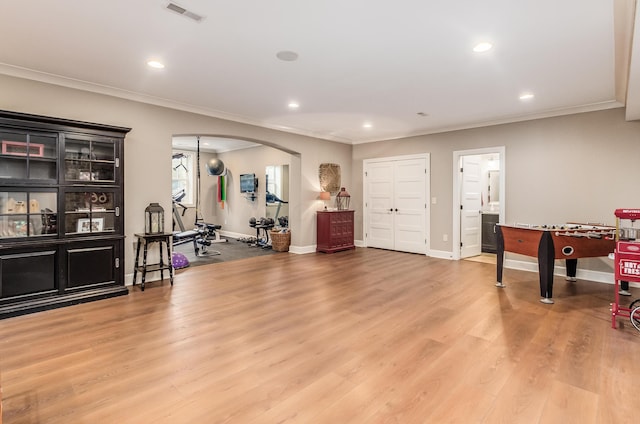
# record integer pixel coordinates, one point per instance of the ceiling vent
(184, 12)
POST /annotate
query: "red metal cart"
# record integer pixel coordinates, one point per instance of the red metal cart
(627, 262)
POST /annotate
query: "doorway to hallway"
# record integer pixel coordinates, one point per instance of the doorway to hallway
(478, 200)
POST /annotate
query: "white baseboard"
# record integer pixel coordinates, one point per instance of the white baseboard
(235, 235)
(302, 250)
(440, 254)
(581, 274)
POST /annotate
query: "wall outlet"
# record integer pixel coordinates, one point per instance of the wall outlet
(434, 200)
(445, 237)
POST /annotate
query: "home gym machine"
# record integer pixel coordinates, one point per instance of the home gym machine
(203, 234)
(272, 198)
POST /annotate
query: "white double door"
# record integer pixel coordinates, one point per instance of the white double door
(395, 204)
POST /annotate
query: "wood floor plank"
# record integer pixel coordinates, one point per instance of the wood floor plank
(360, 336)
(568, 403)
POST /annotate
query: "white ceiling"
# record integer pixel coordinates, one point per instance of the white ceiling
(373, 61)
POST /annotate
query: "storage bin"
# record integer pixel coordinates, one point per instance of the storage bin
(280, 242)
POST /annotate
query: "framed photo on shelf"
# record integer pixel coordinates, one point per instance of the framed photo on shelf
(86, 225)
(19, 148)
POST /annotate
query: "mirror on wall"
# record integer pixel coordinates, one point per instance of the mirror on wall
(494, 187)
(277, 193)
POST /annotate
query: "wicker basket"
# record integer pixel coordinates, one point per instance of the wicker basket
(280, 241)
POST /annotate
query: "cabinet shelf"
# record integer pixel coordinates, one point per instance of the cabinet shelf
(18, 215)
(61, 220)
(108, 162)
(76, 233)
(92, 211)
(30, 158)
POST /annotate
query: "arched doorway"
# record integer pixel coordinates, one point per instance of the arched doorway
(240, 156)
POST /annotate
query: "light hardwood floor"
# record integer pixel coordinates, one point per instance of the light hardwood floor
(364, 336)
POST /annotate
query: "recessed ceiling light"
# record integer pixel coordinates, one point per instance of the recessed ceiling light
(526, 96)
(293, 105)
(287, 56)
(482, 47)
(155, 64)
(367, 125)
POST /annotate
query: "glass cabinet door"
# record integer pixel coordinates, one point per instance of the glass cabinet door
(90, 160)
(28, 213)
(28, 156)
(90, 212)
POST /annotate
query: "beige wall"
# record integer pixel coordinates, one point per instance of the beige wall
(573, 168)
(147, 161)
(235, 216)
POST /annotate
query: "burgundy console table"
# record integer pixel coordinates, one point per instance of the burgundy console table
(335, 231)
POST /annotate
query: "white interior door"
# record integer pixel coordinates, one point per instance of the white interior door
(471, 202)
(379, 231)
(410, 205)
(396, 204)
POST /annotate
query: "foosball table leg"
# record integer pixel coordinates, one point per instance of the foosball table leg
(572, 268)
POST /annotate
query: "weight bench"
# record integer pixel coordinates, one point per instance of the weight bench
(201, 236)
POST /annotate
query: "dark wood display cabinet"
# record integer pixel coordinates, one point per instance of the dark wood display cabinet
(334, 231)
(61, 212)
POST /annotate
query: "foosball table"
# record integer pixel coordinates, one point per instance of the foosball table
(550, 242)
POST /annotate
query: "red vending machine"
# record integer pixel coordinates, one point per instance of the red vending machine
(627, 261)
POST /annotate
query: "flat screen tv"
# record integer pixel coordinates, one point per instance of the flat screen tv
(248, 183)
